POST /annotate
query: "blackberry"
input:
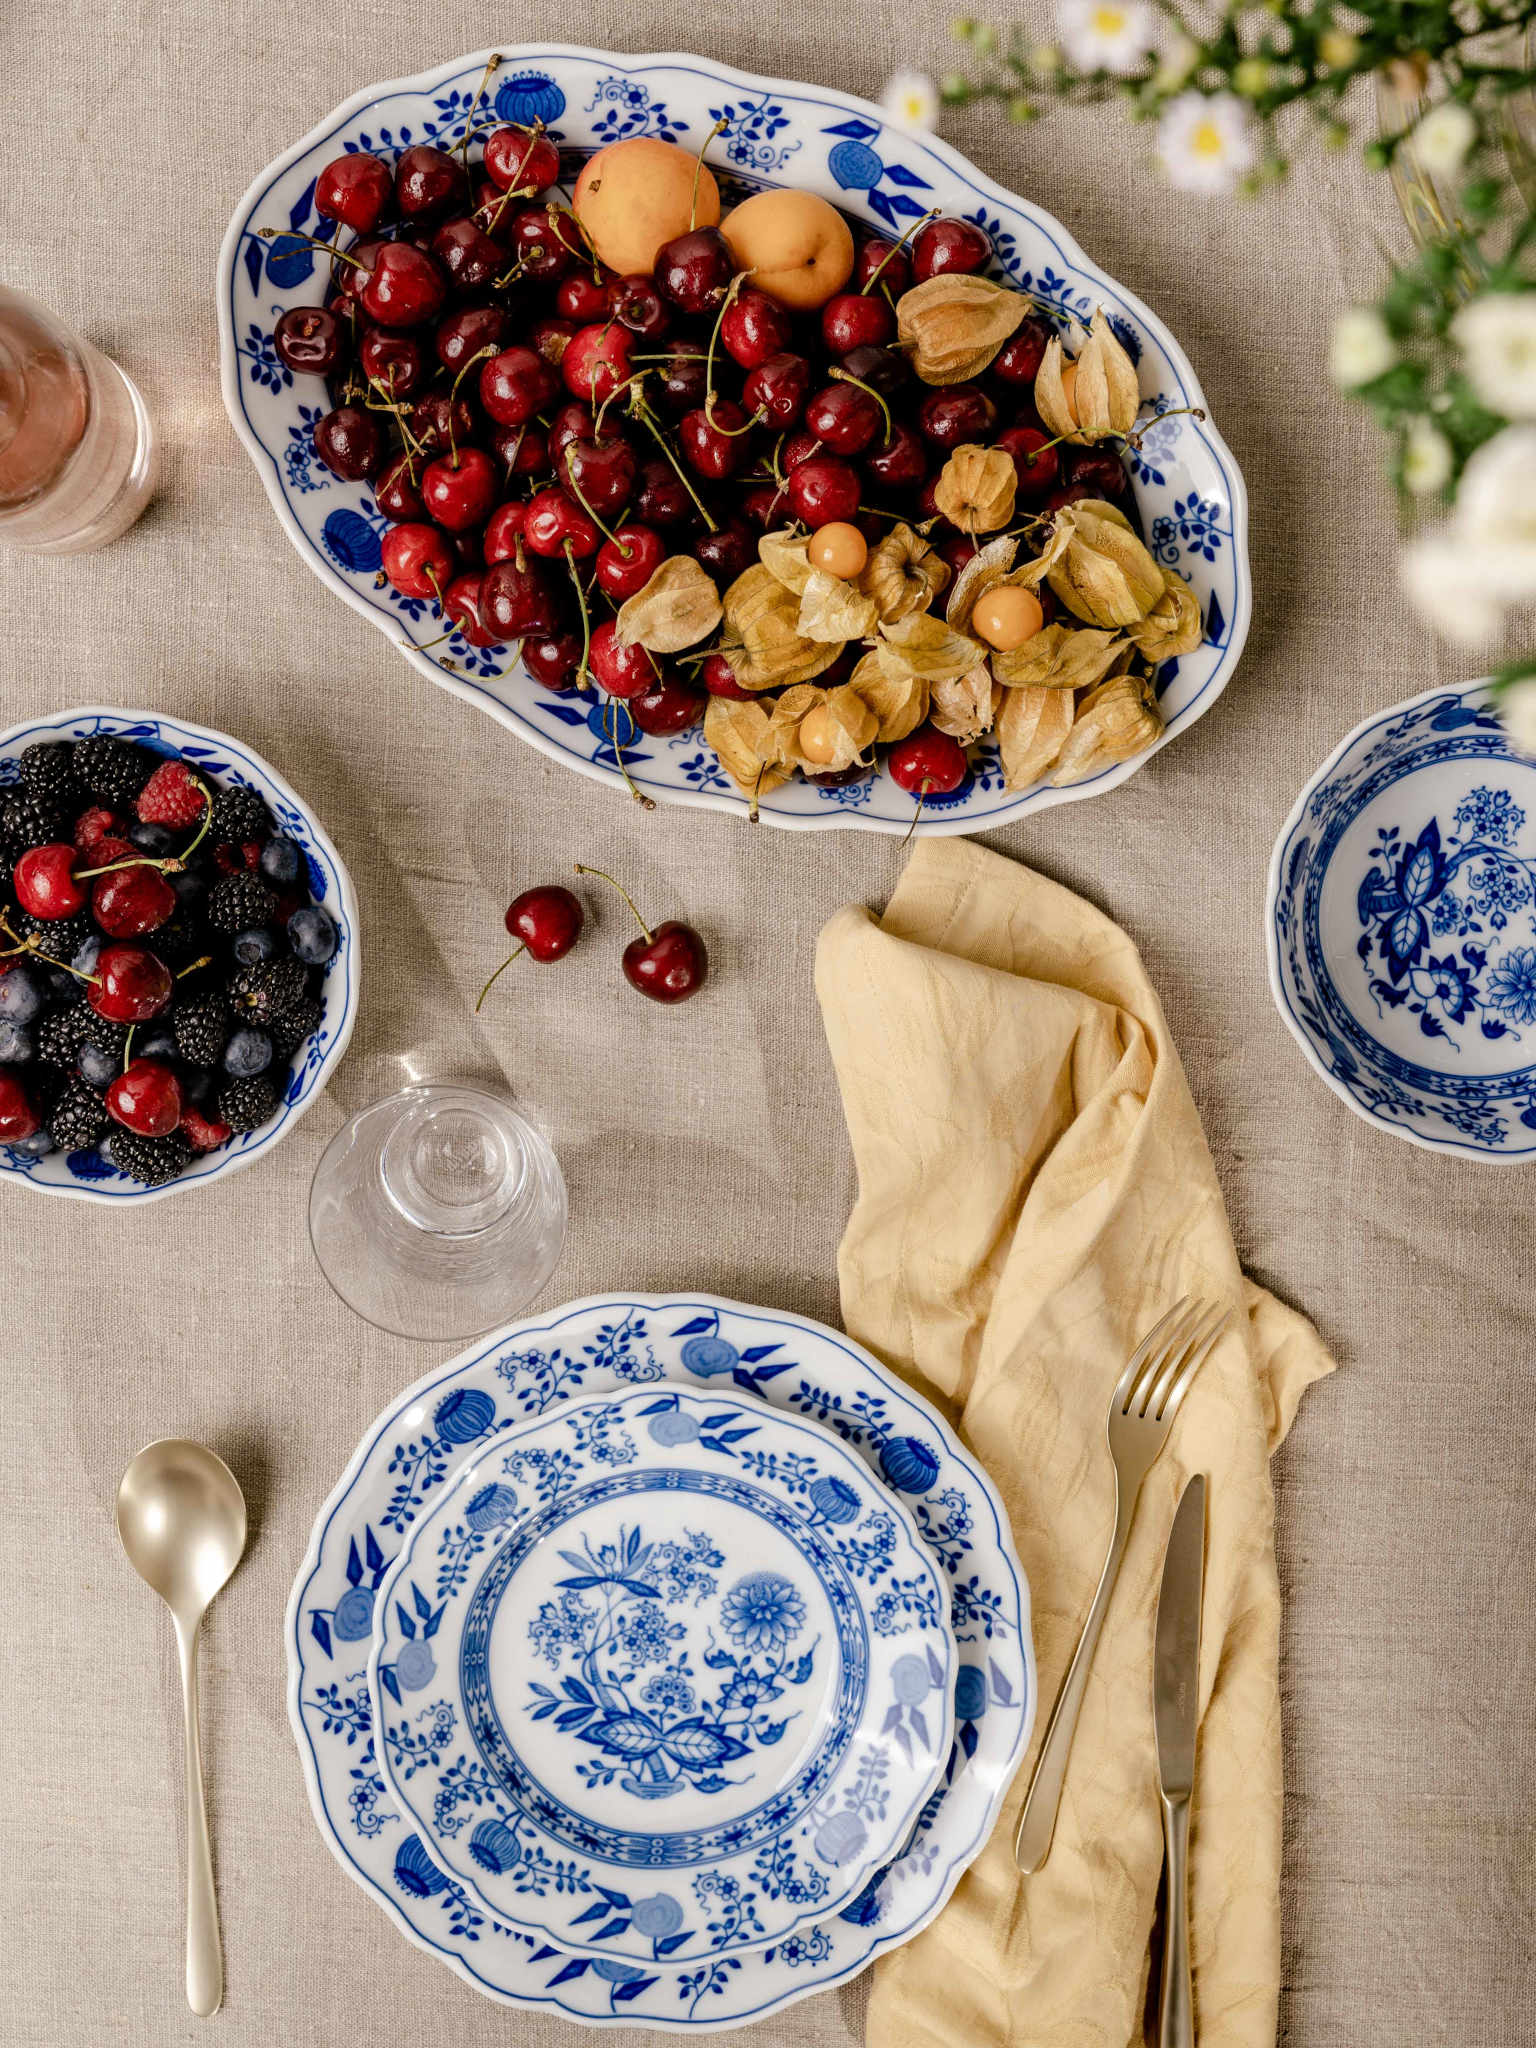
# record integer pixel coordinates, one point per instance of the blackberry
(179, 942)
(238, 902)
(58, 938)
(289, 1031)
(27, 820)
(107, 1037)
(48, 772)
(58, 1038)
(239, 814)
(151, 1160)
(113, 769)
(201, 1025)
(245, 1104)
(79, 1117)
(266, 993)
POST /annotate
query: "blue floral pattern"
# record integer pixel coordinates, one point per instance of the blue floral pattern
(751, 134)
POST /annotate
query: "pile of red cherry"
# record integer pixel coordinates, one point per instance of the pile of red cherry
(543, 433)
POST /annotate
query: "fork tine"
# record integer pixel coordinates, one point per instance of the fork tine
(1173, 1345)
(1140, 1355)
(1173, 1399)
(1176, 1357)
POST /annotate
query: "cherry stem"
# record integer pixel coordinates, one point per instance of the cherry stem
(640, 411)
(611, 726)
(32, 947)
(492, 66)
(896, 249)
(437, 592)
(922, 790)
(731, 292)
(1194, 412)
(847, 377)
(630, 383)
(580, 496)
(603, 875)
(586, 616)
(195, 967)
(314, 242)
(128, 1047)
(698, 166)
(757, 788)
(499, 972)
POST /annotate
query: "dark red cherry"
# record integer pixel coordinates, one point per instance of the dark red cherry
(1036, 462)
(754, 328)
(636, 304)
(503, 530)
(597, 362)
(600, 474)
(572, 421)
(719, 678)
(956, 413)
(727, 552)
(429, 184)
(542, 244)
(18, 1119)
(521, 451)
(684, 383)
(669, 706)
(350, 442)
(462, 603)
(553, 659)
(582, 297)
(885, 370)
(844, 417)
(463, 333)
(823, 489)
(431, 417)
(521, 159)
(393, 359)
(715, 443)
(776, 388)
(516, 601)
(550, 337)
(1099, 468)
(661, 497)
(556, 525)
(761, 506)
(131, 985)
(949, 245)
(927, 762)
(515, 385)
(495, 212)
(668, 964)
(797, 449)
(146, 1098)
(893, 265)
(417, 560)
(351, 276)
(44, 881)
(627, 563)
(1019, 359)
(459, 490)
(354, 189)
(548, 920)
(310, 339)
(621, 670)
(1069, 494)
(694, 269)
(395, 491)
(468, 254)
(132, 901)
(405, 289)
(852, 320)
(898, 460)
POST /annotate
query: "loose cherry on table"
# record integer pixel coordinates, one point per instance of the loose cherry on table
(146, 1097)
(547, 921)
(669, 963)
(949, 245)
(130, 985)
(521, 159)
(417, 560)
(354, 189)
(627, 563)
(754, 327)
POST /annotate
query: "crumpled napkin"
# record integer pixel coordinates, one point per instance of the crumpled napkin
(1034, 1193)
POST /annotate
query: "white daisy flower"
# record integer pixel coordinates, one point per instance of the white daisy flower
(1517, 708)
(1444, 138)
(1426, 459)
(1497, 337)
(1105, 35)
(1205, 141)
(911, 100)
(1361, 349)
(1465, 573)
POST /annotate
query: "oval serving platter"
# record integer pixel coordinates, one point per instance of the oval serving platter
(1190, 492)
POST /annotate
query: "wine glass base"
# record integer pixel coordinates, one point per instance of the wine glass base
(438, 1212)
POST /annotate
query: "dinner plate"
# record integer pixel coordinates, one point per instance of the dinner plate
(1188, 487)
(412, 1450)
(663, 1674)
(1402, 926)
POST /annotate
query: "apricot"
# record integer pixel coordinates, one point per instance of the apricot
(633, 196)
(797, 246)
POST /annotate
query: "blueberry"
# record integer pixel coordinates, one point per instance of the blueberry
(15, 1043)
(188, 887)
(98, 1067)
(159, 1044)
(38, 1146)
(198, 1085)
(60, 986)
(84, 962)
(248, 1052)
(20, 996)
(312, 935)
(280, 861)
(157, 840)
(251, 948)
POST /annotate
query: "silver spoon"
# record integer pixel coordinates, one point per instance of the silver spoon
(181, 1518)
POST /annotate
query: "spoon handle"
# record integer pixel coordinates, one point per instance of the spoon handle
(205, 1960)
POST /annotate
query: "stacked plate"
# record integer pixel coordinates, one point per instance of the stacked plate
(660, 1661)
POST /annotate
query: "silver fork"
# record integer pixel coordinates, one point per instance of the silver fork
(1146, 1399)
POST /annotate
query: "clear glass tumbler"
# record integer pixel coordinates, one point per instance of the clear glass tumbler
(438, 1212)
(77, 453)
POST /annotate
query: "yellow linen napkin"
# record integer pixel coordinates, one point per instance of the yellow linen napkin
(1034, 1193)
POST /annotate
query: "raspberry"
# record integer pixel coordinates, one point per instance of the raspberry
(202, 1134)
(172, 796)
(237, 859)
(94, 825)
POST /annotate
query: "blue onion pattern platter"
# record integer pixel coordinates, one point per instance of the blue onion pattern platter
(607, 1344)
(1191, 494)
(663, 1674)
(86, 1175)
(1402, 926)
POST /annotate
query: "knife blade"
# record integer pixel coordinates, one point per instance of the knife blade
(1176, 1661)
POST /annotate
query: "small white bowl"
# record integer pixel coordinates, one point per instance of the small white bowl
(85, 1174)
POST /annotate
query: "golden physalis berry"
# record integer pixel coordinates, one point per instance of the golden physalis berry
(1069, 388)
(1006, 616)
(839, 549)
(817, 736)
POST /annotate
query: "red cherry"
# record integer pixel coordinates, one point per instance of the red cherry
(463, 333)
(685, 376)
(719, 678)
(949, 245)
(521, 160)
(395, 492)
(553, 659)
(957, 549)
(694, 269)
(355, 189)
(776, 388)
(754, 328)
(662, 497)
(852, 320)
(461, 601)
(1069, 494)
(521, 451)
(897, 461)
(597, 362)
(310, 339)
(622, 671)
(349, 442)
(823, 489)
(927, 762)
(1036, 462)
(545, 242)
(714, 443)
(885, 370)
(131, 985)
(668, 706)
(556, 523)
(146, 1098)
(503, 529)
(600, 474)
(417, 560)
(636, 304)
(669, 964)
(132, 901)
(515, 600)
(550, 337)
(515, 385)
(1019, 359)
(843, 417)
(459, 490)
(582, 297)
(627, 563)
(727, 552)
(431, 417)
(548, 920)
(494, 211)
(429, 184)
(893, 265)
(468, 254)
(761, 505)
(1100, 468)
(797, 449)
(18, 1119)
(44, 881)
(956, 413)
(405, 288)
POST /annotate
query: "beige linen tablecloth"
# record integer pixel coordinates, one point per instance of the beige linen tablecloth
(705, 1146)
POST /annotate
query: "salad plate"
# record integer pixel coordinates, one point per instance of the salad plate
(684, 1342)
(663, 1674)
(1402, 926)
(1188, 488)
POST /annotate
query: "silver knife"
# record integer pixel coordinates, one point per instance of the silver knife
(1176, 1711)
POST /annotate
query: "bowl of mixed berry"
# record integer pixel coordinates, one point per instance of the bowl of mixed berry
(178, 956)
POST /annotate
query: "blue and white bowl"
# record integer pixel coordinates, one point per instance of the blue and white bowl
(1189, 488)
(1402, 926)
(87, 1175)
